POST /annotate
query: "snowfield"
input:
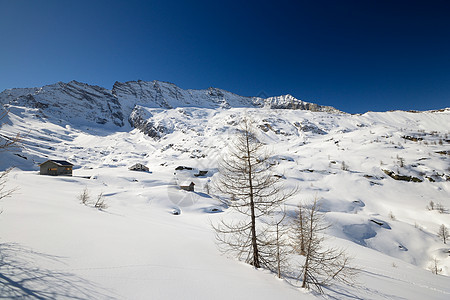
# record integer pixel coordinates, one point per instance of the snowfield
(155, 241)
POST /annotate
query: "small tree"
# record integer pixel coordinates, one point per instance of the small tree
(443, 233)
(84, 197)
(392, 216)
(279, 245)
(440, 208)
(299, 231)
(4, 193)
(322, 264)
(434, 267)
(100, 203)
(207, 188)
(401, 161)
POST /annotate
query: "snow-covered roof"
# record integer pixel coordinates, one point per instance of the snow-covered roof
(61, 163)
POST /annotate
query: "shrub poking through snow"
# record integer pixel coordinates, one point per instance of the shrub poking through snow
(100, 203)
(84, 197)
(392, 216)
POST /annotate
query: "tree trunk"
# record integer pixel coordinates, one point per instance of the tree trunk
(278, 252)
(252, 207)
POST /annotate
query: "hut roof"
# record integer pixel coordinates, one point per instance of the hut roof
(61, 163)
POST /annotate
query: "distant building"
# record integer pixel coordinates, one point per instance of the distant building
(187, 186)
(139, 167)
(56, 167)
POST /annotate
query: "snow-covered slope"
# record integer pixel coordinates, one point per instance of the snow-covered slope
(137, 249)
(73, 101)
(80, 102)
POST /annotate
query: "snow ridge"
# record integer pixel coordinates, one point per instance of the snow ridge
(81, 101)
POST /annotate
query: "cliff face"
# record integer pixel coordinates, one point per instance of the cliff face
(73, 101)
(79, 101)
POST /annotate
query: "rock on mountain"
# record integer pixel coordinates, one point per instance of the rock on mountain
(290, 102)
(75, 101)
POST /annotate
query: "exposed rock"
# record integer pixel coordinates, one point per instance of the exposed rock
(79, 101)
(140, 119)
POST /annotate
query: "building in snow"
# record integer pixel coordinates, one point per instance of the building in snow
(56, 167)
(187, 186)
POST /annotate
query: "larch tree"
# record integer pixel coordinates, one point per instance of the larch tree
(280, 245)
(322, 264)
(246, 176)
(443, 233)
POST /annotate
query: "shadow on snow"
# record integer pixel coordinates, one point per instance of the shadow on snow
(22, 278)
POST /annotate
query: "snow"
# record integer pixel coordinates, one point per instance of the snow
(137, 248)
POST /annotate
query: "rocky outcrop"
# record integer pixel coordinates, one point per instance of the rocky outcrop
(141, 119)
(290, 102)
(69, 101)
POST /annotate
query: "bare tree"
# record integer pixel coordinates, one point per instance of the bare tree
(443, 233)
(100, 203)
(245, 176)
(4, 193)
(299, 231)
(434, 267)
(84, 197)
(322, 264)
(282, 245)
(3, 178)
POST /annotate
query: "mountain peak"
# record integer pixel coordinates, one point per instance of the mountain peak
(75, 100)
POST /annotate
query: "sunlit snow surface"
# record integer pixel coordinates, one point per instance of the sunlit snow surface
(138, 249)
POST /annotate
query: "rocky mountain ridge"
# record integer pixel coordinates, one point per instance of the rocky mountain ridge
(75, 100)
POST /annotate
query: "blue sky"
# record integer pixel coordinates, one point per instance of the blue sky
(354, 55)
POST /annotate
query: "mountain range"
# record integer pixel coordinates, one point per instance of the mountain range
(382, 180)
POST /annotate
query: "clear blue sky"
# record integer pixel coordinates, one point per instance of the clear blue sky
(354, 55)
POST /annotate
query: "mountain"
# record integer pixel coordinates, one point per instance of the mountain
(68, 101)
(79, 101)
(382, 181)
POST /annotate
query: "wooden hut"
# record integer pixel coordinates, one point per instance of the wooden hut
(56, 167)
(187, 186)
